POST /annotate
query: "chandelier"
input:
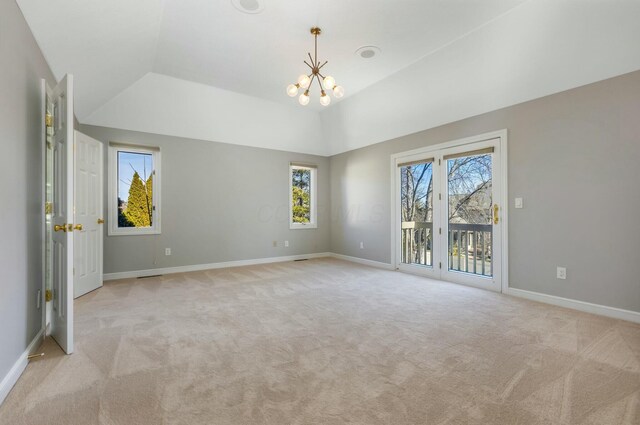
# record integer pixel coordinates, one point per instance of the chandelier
(304, 81)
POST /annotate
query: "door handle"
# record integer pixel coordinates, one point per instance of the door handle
(78, 227)
(496, 219)
(60, 228)
(100, 220)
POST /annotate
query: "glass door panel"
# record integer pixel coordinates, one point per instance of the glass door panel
(416, 213)
(469, 212)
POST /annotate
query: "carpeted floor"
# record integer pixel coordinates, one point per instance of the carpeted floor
(328, 342)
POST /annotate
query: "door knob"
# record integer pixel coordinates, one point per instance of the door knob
(60, 228)
(78, 227)
(100, 220)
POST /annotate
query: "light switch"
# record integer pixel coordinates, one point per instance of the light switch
(519, 203)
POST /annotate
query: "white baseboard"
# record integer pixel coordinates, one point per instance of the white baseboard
(210, 266)
(364, 261)
(18, 367)
(602, 310)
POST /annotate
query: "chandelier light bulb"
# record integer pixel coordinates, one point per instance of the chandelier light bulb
(325, 99)
(338, 92)
(304, 98)
(292, 90)
(303, 81)
(329, 82)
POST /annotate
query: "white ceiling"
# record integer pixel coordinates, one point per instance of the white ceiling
(106, 45)
(109, 45)
(202, 69)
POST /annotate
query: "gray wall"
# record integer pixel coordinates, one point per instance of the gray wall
(220, 202)
(21, 68)
(574, 157)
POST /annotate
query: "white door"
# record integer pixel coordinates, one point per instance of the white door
(470, 214)
(448, 211)
(417, 182)
(62, 216)
(88, 220)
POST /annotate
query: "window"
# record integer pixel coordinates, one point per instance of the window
(302, 196)
(134, 190)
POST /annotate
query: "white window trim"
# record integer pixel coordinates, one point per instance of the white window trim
(113, 229)
(313, 224)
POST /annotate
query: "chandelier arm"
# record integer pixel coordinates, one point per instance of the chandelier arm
(311, 59)
(307, 63)
(320, 84)
(311, 81)
(320, 67)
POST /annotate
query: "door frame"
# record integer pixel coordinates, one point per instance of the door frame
(502, 135)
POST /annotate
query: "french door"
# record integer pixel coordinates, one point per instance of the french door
(61, 211)
(448, 215)
(88, 220)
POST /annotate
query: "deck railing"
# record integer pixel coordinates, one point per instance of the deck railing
(470, 246)
(417, 242)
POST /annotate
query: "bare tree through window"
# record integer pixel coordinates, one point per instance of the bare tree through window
(469, 192)
(469, 186)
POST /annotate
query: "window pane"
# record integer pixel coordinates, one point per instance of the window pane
(416, 188)
(301, 195)
(469, 186)
(135, 189)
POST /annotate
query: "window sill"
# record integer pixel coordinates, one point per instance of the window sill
(298, 226)
(133, 233)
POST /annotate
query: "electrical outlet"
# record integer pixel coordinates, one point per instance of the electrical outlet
(561, 273)
(286, 244)
(167, 251)
(275, 244)
(361, 245)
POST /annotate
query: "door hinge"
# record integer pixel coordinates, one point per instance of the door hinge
(440, 264)
(440, 196)
(48, 120)
(48, 207)
(439, 162)
(48, 295)
(440, 230)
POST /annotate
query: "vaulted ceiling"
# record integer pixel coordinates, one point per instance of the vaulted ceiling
(206, 50)
(110, 45)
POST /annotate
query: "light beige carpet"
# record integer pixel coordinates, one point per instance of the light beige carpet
(328, 342)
